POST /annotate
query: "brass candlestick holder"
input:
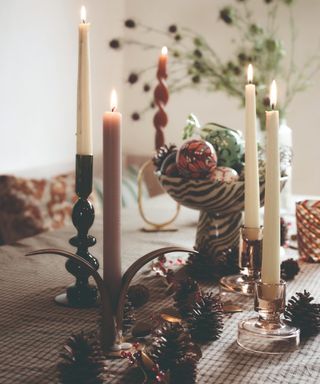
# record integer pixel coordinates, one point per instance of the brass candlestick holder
(111, 325)
(151, 225)
(268, 333)
(250, 255)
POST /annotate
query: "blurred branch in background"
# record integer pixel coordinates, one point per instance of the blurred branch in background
(195, 64)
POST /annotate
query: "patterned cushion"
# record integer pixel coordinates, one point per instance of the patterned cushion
(31, 206)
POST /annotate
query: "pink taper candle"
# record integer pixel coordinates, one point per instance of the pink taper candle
(112, 200)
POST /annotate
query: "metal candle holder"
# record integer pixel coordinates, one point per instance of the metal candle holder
(152, 226)
(81, 294)
(111, 324)
(250, 256)
(268, 333)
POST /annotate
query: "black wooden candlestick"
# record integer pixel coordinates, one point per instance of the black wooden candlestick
(82, 294)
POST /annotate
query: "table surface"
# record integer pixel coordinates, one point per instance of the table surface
(33, 328)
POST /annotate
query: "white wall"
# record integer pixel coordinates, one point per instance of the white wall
(202, 16)
(38, 76)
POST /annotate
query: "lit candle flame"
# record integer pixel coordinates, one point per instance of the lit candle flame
(164, 51)
(83, 14)
(113, 100)
(273, 94)
(250, 73)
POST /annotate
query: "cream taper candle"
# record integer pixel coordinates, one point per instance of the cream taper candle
(84, 124)
(270, 270)
(252, 191)
(112, 173)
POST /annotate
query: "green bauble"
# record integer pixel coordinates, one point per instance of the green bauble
(228, 143)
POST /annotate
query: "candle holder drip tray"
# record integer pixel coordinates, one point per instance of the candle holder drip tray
(268, 333)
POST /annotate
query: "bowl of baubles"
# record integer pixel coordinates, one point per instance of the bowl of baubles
(207, 174)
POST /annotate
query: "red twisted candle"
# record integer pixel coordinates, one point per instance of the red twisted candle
(161, 97)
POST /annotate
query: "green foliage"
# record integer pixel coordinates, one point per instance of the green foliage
(195, 64)
(192, 126)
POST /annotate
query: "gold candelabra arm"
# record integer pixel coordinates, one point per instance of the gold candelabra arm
(111, 325)
(108, 330)
(135, 268)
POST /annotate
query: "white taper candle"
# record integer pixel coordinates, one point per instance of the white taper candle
(84, 124)
(252, 191)
(270, 270)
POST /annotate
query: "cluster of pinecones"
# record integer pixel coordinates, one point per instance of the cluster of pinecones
(172, 350)
(202, 312)
(173, 345)
(205, 267)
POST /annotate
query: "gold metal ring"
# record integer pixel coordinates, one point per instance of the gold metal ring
(157, 226)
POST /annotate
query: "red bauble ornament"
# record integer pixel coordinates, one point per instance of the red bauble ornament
(196, 159)
(225, 175)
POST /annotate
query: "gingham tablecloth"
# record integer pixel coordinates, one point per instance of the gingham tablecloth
(33, 328)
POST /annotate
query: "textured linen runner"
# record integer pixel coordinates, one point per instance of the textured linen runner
(33, 328)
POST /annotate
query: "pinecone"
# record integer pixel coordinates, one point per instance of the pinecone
(283, 231)
(205, 321)
(169, 344)
(185, 370)
(205, 267)
(138, 295)
(162, 154)
(226, 262)
(82, 361)
(200, 266)
(187, 294)
(289, 269)
(303, 314)
(128, 317)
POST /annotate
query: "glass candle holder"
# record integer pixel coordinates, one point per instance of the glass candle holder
(250, 253)
(268, 333)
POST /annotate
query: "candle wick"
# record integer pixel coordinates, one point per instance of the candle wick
(272, 107)
(113, 109)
